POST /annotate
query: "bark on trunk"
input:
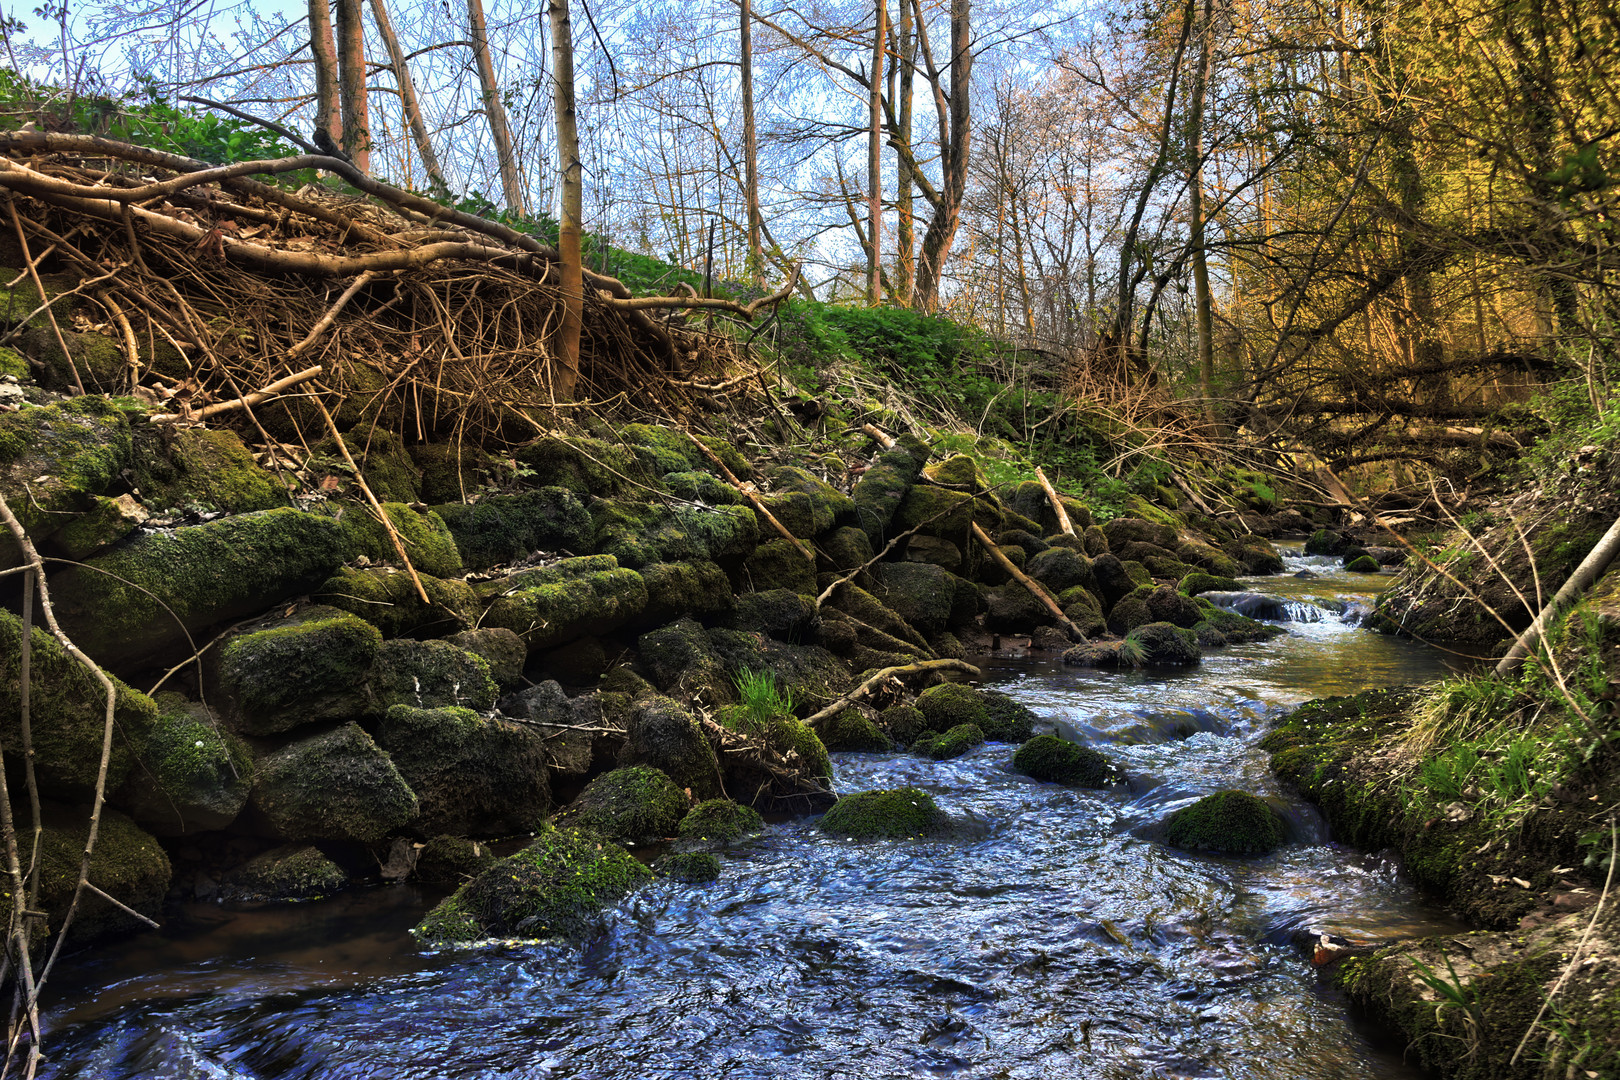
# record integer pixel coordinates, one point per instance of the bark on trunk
(408, 101)
(495, 111)
(351, 37)
(874, 160)
(756, 252)
(1590, 570)
(571, 203)
(328, 117)
(1195, 242)
(947, 214)
(905, 240)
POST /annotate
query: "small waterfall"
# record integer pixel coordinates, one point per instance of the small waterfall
(1273, 608)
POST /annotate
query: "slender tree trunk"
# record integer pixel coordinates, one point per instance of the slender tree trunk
(954, 147)
(495, 110)
(905, 241)
(1195, 188)
(328, 116)
(874, 159)
(756, 253)
(572, 202)
(407, 97)
(351, 38)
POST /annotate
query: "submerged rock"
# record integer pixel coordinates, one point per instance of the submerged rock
(720, 821)
(942, 746)
(1227, 823)
(1059, 761)
(555, 887)
(897, 814)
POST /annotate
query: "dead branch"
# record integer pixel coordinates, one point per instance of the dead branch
(752, 497)
(921, 667)
(1035, 588)
(245, 401)
(1064, 524)
(747, 311)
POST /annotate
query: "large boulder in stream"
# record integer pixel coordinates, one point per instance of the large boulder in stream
(1000, 717)
(1059, 761)
(898, 814)
(472, 776)
(573, 598)
(637, 804)
(139, 600)
(558, 886)
(1227, 823)
(1162, 644)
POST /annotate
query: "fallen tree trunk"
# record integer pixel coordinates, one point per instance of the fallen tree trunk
(1590, 570)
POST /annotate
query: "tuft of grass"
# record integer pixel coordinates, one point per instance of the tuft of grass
(762, 696)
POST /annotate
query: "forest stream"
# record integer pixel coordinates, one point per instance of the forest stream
(1057, 939)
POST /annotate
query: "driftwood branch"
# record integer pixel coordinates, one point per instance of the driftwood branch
(1035, 588)
(921, 667)
(884, 439)
(1064, 524)
(1585, 574)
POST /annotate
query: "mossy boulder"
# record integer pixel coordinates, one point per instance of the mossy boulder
(882, 488)
(1114, 581)
(952, 703)
(572, 598)
(426, 538)
(1199, 582)
(635, 804)
(54, 459)
(1163, 644)
(1029, 499)
(844, 549)
(686, 588)
(386, 597)
(67, 705)
(1207, 557)
(98, 360)
(1166, 604)
(680, 657)
(1234, 629)
(451, 860)
(1012, 608)
(1363, 564)
(1135, 530)
(935, 550)
(778, 613)
(198, 575)
(805, 504)
(786, 736)
(780, 564)
(304, 669)
(1128, 614)
(896, 814)
(1005, 720)
(428, 675)
(690, 867)
(500, 529)
(189, 775)
(640, 534)
(201, 468)
(289, 872)
(720, 821)
(697, 486)
(1256, 555)
(451, 473)
(944, 745)
(579, 663)
(851, 729)
(582, 465)
(501, 649)
(105, 523)
(1059, 761)
(946, 513)
(1027, 542)
(1326, 542)
(127, 863)
(1227, 823)
(336, 785)
(472, 776)
(555, 887)
(904, 723)
(881, 627)
(1062, 568)
(920, 593)
(383, 460)
(665, 735)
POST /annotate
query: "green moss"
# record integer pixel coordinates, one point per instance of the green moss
(882, 488)
(640, 534)
(849, 729)
(571, 598)
(1200, 582)
(308, 669)
(1227, 823)
(846, 548)
(427, 540)
(904, 723)
(778, 613)
(290, 872)
(428, 675)
(1363, 564)
(201, 468)
(54, 459)
(12, 363)
(503, 650)
(472, 776)
(203, 574)
(804, 503)
(949, 704)
(784, 734)
(337, 785)
(686, 588)
(1326, 542)
(387, 599)
(104, 524)
(662, 733)
(1233, 627)
(690, 867)
(68, 708)
(501, 529)
(1164, 644)
(896, 814)
(720, 821)
(582, 465)
(451, 473)
(942, 512)
(127, 863)
(661, 449)
(383, 460)
(1005, 720)
(1059, 761)
(635, 804)
(942, 746)
(189, 775)
(555, 887)
(780, 564)
(98, 359)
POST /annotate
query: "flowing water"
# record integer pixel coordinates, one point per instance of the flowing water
(1058, 939)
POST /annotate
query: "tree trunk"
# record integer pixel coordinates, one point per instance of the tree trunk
(1195, 241)
(874, 160)
(408, 101)
(756, 253)
(495, 111)
(572, 202)
(905, 241)
(351, 37)
(328, 117)
(1590, 570)
(947, 215)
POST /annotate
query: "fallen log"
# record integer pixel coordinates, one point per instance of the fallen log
(1035, 587)
(921, 667)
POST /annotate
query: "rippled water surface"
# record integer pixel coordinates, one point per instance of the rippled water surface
(1059, 939)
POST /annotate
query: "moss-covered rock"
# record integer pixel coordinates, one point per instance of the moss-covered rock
(811, 674)
(1114, 581)
(386, 598)
(555, 887)
(451, 860)
(851, 729)
(1200, 582)
(780, 564)
(942, 746)
(892, 631)
(1363, 564)
(472, 776)
(904, 723)
(201, 468)
(127, 863)
(427, 540)
(665, 735)
(706, 488)
(307, 668)
(579, 663)
(582, 465)
(686, 588)
(383, 460)
(896, 814)
(572, 598)
(452, 472)
(189, 775)
(289, 872)
(1234, 629)
(97, 359)
(1029, 499)
(1096, 541)
(690, 867)
(54, 459)
(952, 703)
(1005, 720)
(720, 821)
(946, 513)
(200, 575)
(1128, 614)
(105, 523)
(636, 804)
(779, 613)
(1012, 608)
(1326, 542)
(640, 534)
(1062, 568)
(500, 529)
(1059, 761)
(1227, 823)
(428, 675)
(805, 504)
(882, 488)
(785, 735)
(1256, 555)
(1026, 542)
(337, 785)
(937, 551)
(680, 657)
(1207, 557)
(1165, 604)
(920, 593)
(844, 549)
(501, 649)
(67, 706)
(1163, 644)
